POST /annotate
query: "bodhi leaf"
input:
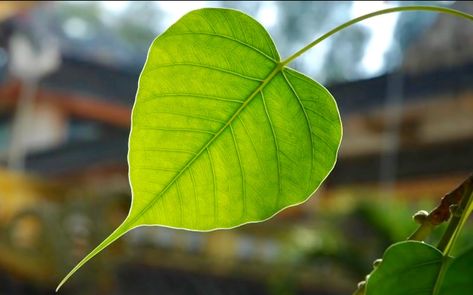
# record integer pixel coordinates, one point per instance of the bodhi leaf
(414, 268)
(407, 268)
(223, 133)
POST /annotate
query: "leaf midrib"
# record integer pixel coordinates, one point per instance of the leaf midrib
(278, 68)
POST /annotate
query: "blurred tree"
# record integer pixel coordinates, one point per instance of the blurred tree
(343, 60)
(90, 13)
(90, 29)
(448, 37)
(139, 32)
(409, 27)
(127, 33)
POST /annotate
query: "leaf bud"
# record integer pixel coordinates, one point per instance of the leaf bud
(377, 262)
(420, 216)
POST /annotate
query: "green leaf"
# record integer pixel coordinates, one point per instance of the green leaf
(223, 133)
(416, 268)
(407, 268)
(459, 277)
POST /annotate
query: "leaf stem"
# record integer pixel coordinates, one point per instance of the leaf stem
(459, 217)
(442, 212)
(120, 231)
(422, 232)
(453, 12)
(460, 214)
(441, 274)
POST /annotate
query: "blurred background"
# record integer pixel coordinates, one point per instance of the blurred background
(68, 77)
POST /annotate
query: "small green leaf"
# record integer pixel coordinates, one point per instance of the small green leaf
(223, 133)
(407, 268)
(413, 268)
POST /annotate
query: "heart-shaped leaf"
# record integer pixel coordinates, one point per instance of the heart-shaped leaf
(413, 268)
(222, 132)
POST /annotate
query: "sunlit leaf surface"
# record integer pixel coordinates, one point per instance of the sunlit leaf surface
(222, 133)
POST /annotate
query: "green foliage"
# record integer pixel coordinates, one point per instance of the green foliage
(458, 278)
(407, 268)
(413, 267)
(224, 134)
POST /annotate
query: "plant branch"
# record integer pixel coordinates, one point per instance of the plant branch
(456, 206)
(443, 211)
(453, 12)
(460, 214)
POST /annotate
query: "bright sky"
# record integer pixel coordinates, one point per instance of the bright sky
(381, 27)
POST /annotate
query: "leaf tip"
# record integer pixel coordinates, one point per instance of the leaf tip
(121, 230)
(64, 280)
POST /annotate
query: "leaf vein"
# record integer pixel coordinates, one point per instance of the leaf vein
(179, 196)
(195, 193)
(171, 150)
(318, 114)
(260, 163)
(146, 128)
(214, 185)
(156, 169)
(148, 71)
(276, 146)
(208, 22)
(224, 37)
(242, 171)
(186, 115)
(308, 126)
(194, 96)
(321, 139)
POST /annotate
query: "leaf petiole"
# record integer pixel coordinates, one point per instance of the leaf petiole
(459, 217)
(450, 11)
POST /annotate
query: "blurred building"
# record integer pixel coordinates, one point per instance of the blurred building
(414, 124)
(64, 140)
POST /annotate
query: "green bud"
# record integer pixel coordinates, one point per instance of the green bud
(420, 216)
(361, 285)
(377, 262)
